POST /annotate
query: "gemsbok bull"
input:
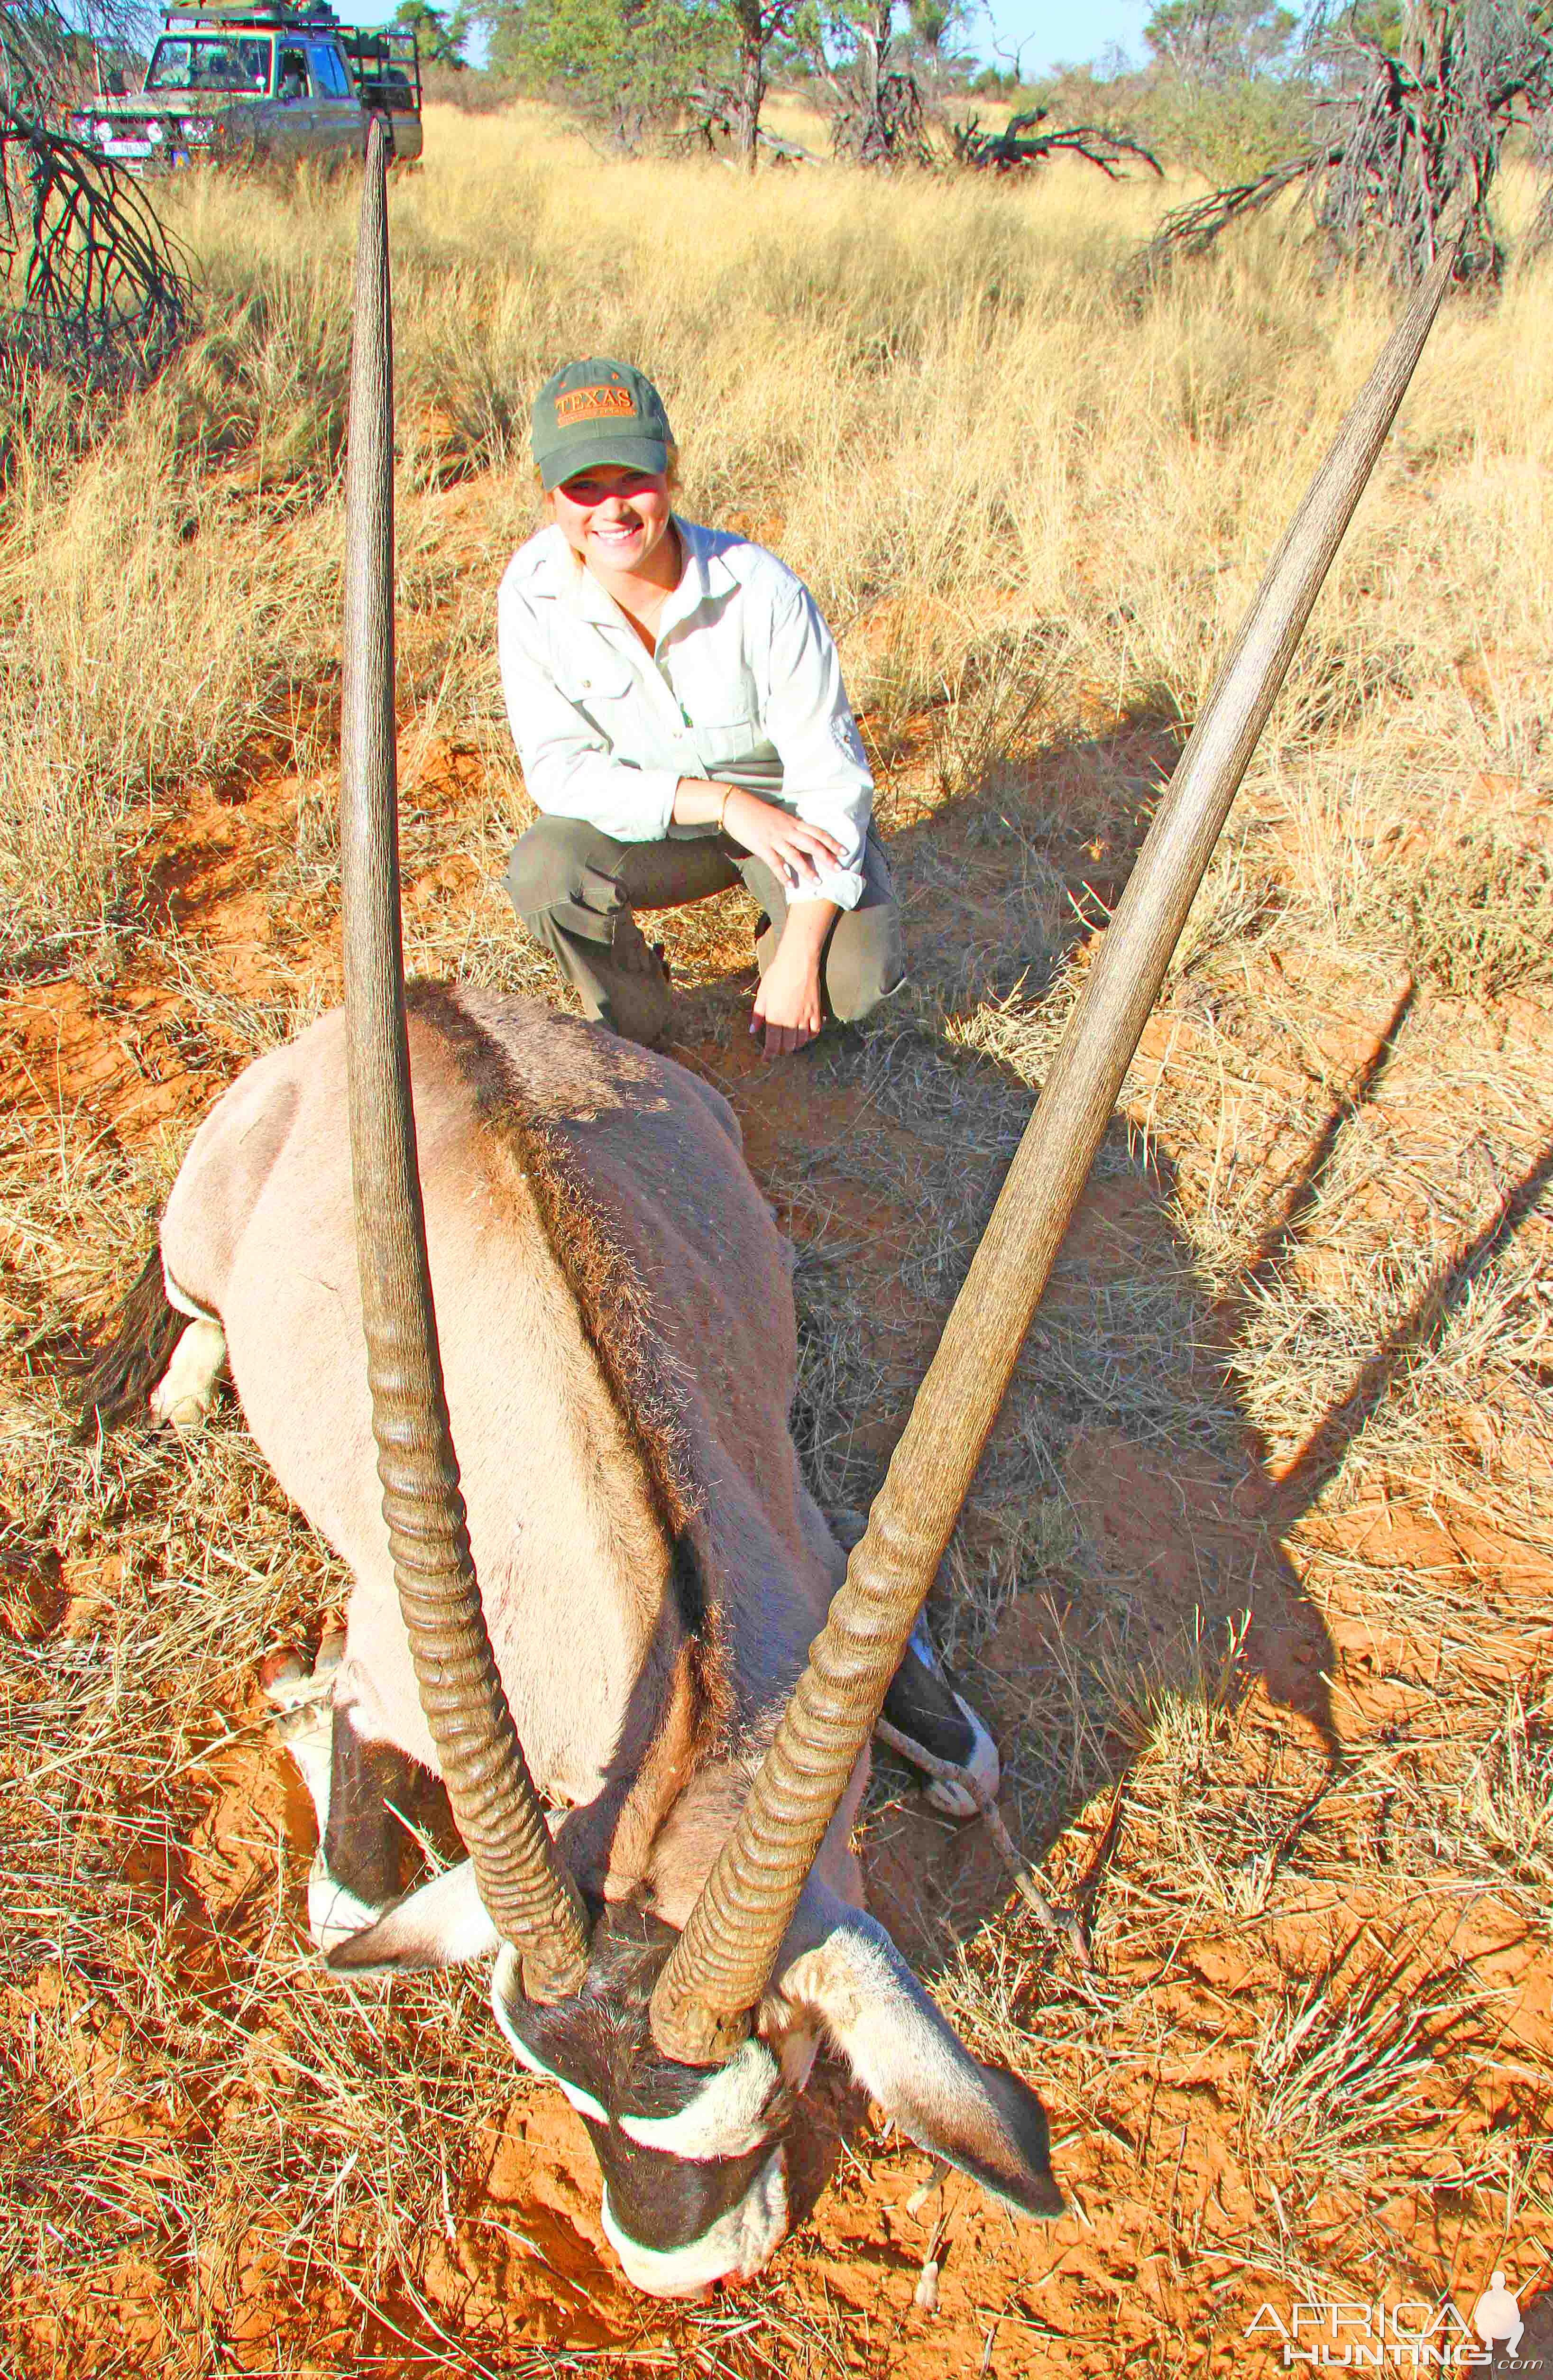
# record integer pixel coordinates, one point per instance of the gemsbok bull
(670, 1650)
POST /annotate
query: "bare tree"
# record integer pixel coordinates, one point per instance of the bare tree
(1021, 143)
(756, 24)
(101, 287)
(877, 112)
(1406, 135)
(886, 91)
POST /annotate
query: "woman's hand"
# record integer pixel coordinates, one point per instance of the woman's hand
(787, 1001)
(794, 853)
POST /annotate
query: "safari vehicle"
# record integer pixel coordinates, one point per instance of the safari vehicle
(229, 82)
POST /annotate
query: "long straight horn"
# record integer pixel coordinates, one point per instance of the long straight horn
(530, 1901)
(723, 1959)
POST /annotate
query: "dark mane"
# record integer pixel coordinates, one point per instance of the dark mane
(611, 1300)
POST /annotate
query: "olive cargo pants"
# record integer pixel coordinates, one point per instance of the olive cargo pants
(575, 888)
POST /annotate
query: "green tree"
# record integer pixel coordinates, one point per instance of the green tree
(630, 64)
(756, 24)
(500, 24)
(441, 38)
(1379, 22)
(1222, 41)
(637, 63)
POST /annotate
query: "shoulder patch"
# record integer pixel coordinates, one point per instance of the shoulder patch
(843, 732)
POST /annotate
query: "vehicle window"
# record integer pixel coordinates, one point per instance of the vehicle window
(210, 66)
(329, 72)
(293, 83)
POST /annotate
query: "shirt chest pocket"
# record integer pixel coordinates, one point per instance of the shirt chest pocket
(723, 743)
(602, 686)
(726, 722)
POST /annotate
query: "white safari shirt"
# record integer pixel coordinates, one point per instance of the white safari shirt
(742, 686)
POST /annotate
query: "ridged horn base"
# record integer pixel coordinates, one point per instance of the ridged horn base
(531, 1902)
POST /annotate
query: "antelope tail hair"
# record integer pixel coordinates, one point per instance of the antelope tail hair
(124, 1369)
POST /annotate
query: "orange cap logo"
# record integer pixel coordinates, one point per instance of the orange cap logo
(593, 405)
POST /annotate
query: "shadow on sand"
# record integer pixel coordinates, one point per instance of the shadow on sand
(1122, 1545)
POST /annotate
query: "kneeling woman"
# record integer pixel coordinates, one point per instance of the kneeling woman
(678, 709)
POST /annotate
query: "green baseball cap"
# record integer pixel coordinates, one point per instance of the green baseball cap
(599, 411)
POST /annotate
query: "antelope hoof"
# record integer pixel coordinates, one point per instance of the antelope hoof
(981, 1765)
(184, 1396)
(286, 1681)
(927, 1712)
(333, 1912)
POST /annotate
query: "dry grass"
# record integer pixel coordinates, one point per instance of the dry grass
(1340, 2067)
(1255, 1576)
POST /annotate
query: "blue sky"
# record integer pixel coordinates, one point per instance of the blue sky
(1057, 31)
(1049, 29)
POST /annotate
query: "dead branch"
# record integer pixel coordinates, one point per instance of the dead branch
(1191, 229)
(103, 292)
(1020, 144)
(99, 274)
(1419, 134)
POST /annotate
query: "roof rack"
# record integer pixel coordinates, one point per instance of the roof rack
(184, 15)
(386, 64)
(385, 60)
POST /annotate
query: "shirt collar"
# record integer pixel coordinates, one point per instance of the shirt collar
(576, 585)
(704, 573)
(694, 583)
(703, 561)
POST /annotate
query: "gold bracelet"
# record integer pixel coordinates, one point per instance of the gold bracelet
(722, 807)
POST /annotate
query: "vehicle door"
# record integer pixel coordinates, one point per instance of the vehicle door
(340, 122)
(296, 131)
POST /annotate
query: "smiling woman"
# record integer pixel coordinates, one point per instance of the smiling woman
(679, 712)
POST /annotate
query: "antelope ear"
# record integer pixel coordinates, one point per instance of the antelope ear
(982, 2118)
(443, 1924)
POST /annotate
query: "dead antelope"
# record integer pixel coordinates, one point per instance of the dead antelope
(670, 1649)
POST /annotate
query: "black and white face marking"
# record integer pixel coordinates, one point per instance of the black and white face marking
(743, 2238)
(699, 2164)
(693, 2162)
